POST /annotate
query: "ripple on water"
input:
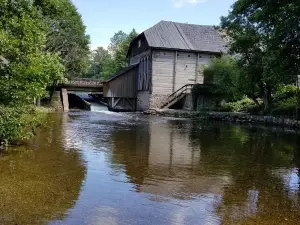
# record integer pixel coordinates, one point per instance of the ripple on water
(124, 168)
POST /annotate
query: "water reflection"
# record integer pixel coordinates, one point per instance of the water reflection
(42, 181)
(108, 168)
(227, 174)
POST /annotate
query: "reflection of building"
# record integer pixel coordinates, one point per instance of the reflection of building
(174, 166)
(161, 159)
(211, 175)
(166, 167)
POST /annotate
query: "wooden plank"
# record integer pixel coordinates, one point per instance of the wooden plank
(174, 72)
(115, 103)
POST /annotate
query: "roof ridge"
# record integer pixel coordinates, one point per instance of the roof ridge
(206, 25)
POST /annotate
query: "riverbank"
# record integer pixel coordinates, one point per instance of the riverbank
(228, 116)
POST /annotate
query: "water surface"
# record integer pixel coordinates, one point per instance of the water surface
(108, 168)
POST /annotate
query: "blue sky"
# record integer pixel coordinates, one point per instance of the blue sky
(103, 18)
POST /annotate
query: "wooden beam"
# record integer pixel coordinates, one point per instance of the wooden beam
(197, 65)
(128, 100)
(174, 71)
(115, 103)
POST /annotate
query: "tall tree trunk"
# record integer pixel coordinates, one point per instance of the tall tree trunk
(298, 99)
(254, 98)
(267, 98)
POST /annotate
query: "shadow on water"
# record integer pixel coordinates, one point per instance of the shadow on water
(41, 181)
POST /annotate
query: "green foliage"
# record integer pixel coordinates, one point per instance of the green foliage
(285, 101)
(30, 67)
(65, 34)
(285, 92)
(265, 36)
(284, 104)
(105, 63)
(19, 123)
(29, 70)
(285, 107)
(226, 74)
(97, 61)
(208, 73)
(244, 105)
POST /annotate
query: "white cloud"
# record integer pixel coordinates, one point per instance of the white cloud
(181, 3)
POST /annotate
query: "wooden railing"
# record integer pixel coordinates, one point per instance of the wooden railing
(183, 90)
(83, 81)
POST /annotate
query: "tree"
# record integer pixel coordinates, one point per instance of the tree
(105, 63)
(66, 34)
(98, 58)
(119, 47)
(263, 36)
(225, 74)
(28, 70)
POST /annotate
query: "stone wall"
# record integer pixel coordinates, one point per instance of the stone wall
(157, 100)
(228, 117)
(188, 102)
(60, 101)
(65, 100)
(56, 102)
(247, 118)
(143, 98)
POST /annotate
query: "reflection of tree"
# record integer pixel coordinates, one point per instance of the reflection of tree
(130, 151)
(42, 183)
(243, 166)
(250, 156)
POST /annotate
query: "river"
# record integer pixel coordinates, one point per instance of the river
(104, 168)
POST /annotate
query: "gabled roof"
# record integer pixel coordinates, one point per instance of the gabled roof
(182, 36)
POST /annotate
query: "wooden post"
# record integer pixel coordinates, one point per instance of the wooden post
(174, 71)
(197, 65)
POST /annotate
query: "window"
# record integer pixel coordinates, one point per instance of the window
(139, 43)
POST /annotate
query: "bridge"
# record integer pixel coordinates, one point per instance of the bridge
(83, 85)
(63, 94)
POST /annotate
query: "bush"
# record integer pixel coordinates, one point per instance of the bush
(208, 74)
(285, 92)
(285, 107)
(244, 105)
(18, 124)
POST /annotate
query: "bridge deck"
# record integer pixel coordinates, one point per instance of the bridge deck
(82, 84)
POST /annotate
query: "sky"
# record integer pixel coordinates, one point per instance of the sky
(103, 18)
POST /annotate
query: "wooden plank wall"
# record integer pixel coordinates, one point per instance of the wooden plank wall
(122, 86)
(185, 69)
(162, 71)
(144, 74)
(174, 69)
(137, 58)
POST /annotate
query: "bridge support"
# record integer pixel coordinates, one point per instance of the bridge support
(65, 100)
(60, 101)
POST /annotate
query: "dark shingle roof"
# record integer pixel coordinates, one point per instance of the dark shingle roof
(171, 35)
